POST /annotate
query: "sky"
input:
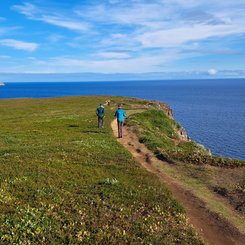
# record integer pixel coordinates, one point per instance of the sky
(123, 36)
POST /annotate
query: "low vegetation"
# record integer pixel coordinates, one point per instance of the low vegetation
(65, 181)
(159, 133)
(193, 164)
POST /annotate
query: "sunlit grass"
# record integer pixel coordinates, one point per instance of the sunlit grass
(190, 164)
(159, 133)
(65, 181)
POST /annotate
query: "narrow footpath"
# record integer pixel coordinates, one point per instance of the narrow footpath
(212, 228)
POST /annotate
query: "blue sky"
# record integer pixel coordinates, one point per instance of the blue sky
(123, 36)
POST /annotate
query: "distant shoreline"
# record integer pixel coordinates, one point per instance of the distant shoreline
(128, 80)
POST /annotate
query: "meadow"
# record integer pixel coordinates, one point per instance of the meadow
(63, 180)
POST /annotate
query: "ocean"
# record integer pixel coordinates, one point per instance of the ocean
(212, 111)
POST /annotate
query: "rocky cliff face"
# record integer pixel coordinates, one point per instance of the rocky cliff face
(182, 134)
(166, 108)
(159, 106)
(151, 104)
(169, 112)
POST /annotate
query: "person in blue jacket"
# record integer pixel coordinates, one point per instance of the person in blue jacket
(120, 114)
(100, 112)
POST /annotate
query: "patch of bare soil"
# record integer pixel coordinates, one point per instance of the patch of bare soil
(212, 228)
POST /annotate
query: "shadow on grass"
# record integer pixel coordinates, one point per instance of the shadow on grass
(163, 158)
(73, 126)
(99, 131)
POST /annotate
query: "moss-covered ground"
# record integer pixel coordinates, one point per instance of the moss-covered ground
(63, 180)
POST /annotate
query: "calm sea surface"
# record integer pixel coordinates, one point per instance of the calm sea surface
(211, 111)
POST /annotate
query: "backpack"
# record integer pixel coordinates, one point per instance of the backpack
(100, 112)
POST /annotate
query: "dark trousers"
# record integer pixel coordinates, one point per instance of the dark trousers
(120, 126)
(100, 122)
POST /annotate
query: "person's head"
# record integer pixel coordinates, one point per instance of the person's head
(101, 104)
(119, 105)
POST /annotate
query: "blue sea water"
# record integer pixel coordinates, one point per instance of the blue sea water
(211, 111)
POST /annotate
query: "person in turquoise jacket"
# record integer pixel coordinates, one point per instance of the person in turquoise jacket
(120, 114)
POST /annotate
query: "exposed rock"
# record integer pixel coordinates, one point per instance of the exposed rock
(166, 108)
(182, 134)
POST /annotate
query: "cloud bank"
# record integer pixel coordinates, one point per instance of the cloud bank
(125, 36)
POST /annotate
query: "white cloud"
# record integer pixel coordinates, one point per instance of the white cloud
(135, 13)
(68, 24)
(76, 65)
(118, 35)
(212, 72)
(34, 13)
(20, 45)
(155, 13)
(114, 55)
(125, 42)
(200, 3)
(145, 63)
(181, 35)
(162, 24)
(140, 29)
(26, 9)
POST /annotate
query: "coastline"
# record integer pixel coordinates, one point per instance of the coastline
(53, 149)
(200, 126)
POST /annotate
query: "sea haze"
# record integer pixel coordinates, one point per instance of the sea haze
(211, 111)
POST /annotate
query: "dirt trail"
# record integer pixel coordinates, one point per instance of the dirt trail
(212, 228)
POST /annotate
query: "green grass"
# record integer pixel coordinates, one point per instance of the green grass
(200, 179)
(159, 133)
(193, 167)
(65, 181)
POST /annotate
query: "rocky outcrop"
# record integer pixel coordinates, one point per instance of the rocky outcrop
(169, 112)
(166, 108)
(160, 106)
(182, 134)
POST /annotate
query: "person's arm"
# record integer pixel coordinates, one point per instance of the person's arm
(115, 114)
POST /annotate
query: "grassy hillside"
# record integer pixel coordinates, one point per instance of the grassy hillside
(192, 163)
(65, 181)
(159, 133)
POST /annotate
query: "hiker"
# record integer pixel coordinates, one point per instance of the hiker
(108, 102)
(120, 114)
(100, 112)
